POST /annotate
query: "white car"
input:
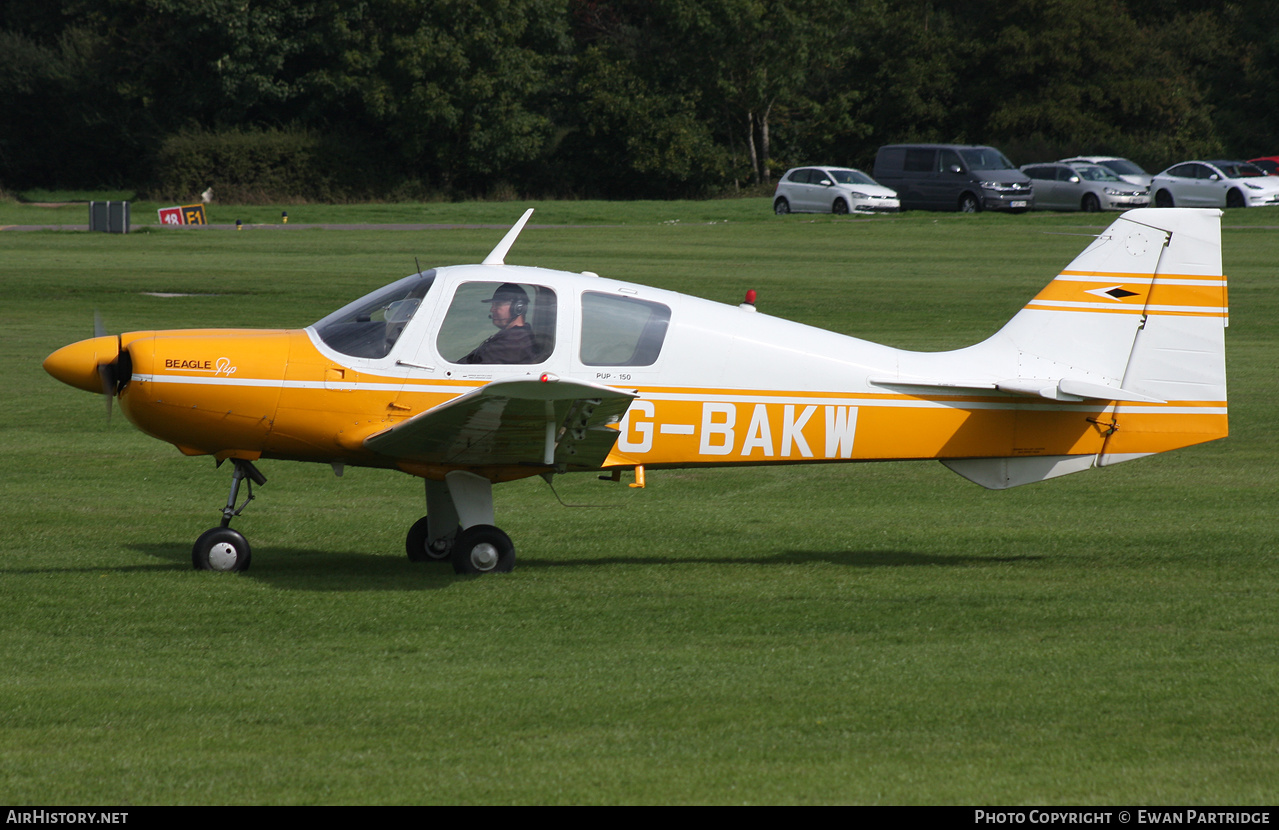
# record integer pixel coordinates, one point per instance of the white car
(1219, 184)
(1123, 168)
(1087, 187)
(832, 190)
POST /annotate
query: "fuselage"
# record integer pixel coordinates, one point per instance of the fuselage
(716, 384)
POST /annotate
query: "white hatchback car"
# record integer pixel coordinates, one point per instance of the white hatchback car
(1227, 184)
(832, 190)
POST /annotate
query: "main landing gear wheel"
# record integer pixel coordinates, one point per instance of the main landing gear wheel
(221, 549)
(483, 549)
(418, 547)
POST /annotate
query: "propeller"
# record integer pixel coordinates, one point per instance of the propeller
(113, 374)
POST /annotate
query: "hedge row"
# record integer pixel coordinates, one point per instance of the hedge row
(270, 166)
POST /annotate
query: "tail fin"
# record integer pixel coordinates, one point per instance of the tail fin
(1137, 321)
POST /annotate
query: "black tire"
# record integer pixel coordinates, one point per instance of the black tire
(968, 203)
(1163, 199)
(483, 549)
(221, 549)
(839, 208)
(1090, 203)
(415, 544)
(1234, 199)
(781, 207)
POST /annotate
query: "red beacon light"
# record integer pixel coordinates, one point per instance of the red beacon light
(749, 304)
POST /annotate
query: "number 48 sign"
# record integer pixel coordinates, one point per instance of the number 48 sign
(184, 215)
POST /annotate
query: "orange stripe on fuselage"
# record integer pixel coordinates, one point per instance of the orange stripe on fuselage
(720, 432)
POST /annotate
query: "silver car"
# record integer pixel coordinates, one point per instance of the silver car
(1121, 167)
(832, 190)
(1087, 187)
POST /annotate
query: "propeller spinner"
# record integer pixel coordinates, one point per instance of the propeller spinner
(95, 365)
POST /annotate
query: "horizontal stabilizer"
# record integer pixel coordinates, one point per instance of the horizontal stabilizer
(937, 387)
(1064, 389)
(1098, 392)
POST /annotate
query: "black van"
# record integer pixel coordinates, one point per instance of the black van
(966, 177)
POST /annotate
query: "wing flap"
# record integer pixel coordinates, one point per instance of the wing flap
(544, 422)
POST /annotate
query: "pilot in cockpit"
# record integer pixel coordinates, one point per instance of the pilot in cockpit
(513, 342)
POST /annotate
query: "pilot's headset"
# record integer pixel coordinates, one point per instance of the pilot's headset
(512, 293)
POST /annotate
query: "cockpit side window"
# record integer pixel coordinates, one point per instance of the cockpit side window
(622, 331)
(370, 326)
(499, 323)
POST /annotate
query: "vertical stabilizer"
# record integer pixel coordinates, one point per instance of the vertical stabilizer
(1135, 327)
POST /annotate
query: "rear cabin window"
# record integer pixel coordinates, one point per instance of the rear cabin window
(622, 331)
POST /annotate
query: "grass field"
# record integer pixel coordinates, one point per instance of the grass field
(834, 634)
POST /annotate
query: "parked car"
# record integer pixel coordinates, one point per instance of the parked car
(965, 177)
(831, 190)
(1228, 184)
(1121, 167)
(1270, 164)
(1088, 187)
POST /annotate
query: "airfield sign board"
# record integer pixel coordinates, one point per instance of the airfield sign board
(183, 215)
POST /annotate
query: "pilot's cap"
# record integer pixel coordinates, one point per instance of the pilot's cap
(508, 292)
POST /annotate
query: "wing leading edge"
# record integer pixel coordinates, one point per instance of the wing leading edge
(547, 422)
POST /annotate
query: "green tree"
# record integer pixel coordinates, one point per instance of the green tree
(462, 90)
(1038, 78)
(737, 63)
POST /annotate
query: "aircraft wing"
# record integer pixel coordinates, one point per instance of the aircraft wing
(540, 422)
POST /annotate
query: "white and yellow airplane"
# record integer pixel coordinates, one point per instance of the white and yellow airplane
(1121, 356)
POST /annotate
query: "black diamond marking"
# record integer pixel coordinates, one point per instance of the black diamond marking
(1119, 293)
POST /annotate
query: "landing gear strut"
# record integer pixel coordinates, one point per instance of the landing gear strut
(221, 548)
(459, 527)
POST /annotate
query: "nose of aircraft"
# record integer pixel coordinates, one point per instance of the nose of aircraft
(79, 364)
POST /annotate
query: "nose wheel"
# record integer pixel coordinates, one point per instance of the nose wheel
(221, 548)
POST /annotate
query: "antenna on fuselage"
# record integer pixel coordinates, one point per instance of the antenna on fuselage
(498, 255)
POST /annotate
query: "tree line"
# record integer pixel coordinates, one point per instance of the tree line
(609, 98)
